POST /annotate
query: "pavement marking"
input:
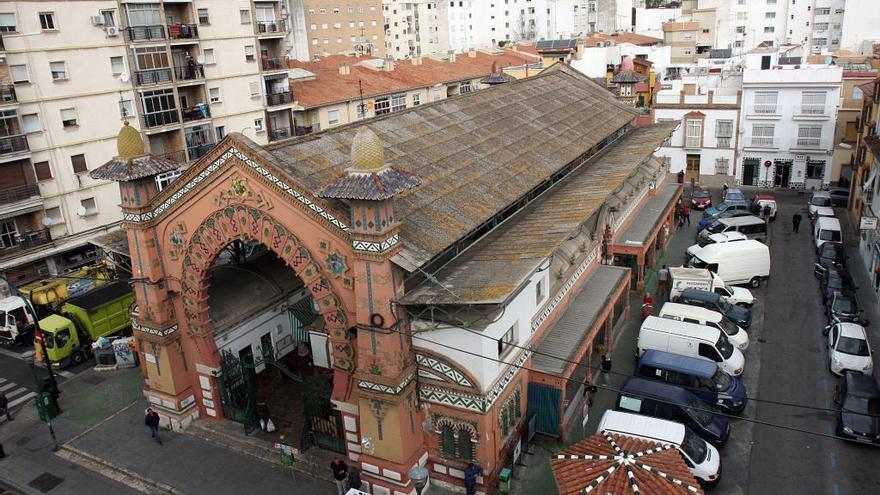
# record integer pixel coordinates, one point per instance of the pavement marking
(65, 374)
(19, 390)
(2, 379)
(6, 387)
(21, 399)
(836, 489)
(12, 354)
(834, 460)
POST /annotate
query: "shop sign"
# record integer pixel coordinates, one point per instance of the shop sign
(868, 223)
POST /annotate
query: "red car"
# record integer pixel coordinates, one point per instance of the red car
(701, 199)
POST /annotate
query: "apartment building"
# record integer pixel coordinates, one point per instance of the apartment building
(815, 24)
(351, 27)
(788, 117)
(603, 16)
(413, 28)
(846, 131)
(859, 31)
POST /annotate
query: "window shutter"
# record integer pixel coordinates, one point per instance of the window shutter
(42, 171)
(255, 88)
(79, 164)
(447, 441)
(465, 447)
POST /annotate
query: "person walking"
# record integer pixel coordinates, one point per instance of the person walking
(795, 222)
(4, 406)
(687, 214)
(470, 478)
(340, 471)
(662, 283)
(151, 419)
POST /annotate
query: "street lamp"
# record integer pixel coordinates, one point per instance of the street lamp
(419, 476)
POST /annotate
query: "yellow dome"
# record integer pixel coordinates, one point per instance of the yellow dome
(129, 143)
(367, 151)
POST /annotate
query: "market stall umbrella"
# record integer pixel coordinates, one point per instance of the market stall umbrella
(607, 463)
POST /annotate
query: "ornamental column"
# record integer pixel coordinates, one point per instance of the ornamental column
(390, 425)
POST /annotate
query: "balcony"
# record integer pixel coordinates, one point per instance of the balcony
(301, 130)
(153, 76)
(274, 64)
(7, 94)
(692, 142)
(198, 151)
(178, 156)
(26, 240)
(161, 118)
(145, 33)
(282, 98)
(807, 143)
(281, 133)
(763, 109)
(196, 112)
(271, 27)
(15, 194)
(814, 112)
(763, 142)
(192, 72)
(13, 144)
(183, 31)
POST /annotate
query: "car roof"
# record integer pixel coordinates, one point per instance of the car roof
(678, 309)
(677, 362)
(643, 387)
(700, 294)
(839, 189)
(819, 194)
(824, 211)
(861, 385)
(10, 303)
(728, 236)
(743, 220)
(852, 330)
(828, 223)
(681, 328)
(832, 246)
(632, 424)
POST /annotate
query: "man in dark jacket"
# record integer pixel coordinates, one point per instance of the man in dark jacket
(340, 470)
(795, 222)
(354, 478)
(151, 419)
(470, 478)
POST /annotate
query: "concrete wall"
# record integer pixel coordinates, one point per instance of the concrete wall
(650, 21)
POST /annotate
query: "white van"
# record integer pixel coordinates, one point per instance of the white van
(717, 239)
(702, 316)
(690, 339)
(752, 226)
(702, 458)
(743, 262)
(827, 229)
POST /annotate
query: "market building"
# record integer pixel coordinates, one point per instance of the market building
(447, 261)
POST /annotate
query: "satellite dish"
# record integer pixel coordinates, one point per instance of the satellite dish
(124, 77)
(48, 222)
(81, 211)
(200, 59)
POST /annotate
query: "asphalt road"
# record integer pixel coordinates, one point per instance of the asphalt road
(17, 378)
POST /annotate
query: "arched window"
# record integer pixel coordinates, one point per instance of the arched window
(505, 422)
(465, 447)
(447, 441)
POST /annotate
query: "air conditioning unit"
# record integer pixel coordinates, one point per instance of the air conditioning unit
(112, 31)
(97, 20)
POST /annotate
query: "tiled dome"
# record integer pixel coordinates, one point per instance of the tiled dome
(129, 143)
(367, 151)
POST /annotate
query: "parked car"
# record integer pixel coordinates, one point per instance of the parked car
(734, 196)
(716, 239)
(702, 316)
(843, 306)
(827, 230)
(704, 379)
(834, 280)
(831, 255)
(762, 200)
(729, 213)
(839, 196)
(858, 398)
(682, 278)
(701, 199)
(848, 348)
(690, 339)
(822, 211)
(817, 199)
(705, 299)
(750, 225)
(743, 262)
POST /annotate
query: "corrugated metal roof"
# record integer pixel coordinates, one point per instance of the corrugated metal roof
(569, 331)
(475, 154)
(649, 216)
(115, 242)
(496, 266)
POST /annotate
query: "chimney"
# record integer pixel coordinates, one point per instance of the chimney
(451, 56)
(416, 60)
(388, 65)
(344, 69)
(472, 53)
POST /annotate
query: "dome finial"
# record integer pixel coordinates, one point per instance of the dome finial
(367, 151)
(129, 143)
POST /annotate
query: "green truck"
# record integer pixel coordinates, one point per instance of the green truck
(82, 320)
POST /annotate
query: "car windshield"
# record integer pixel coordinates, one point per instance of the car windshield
(734, 196)
(838, 281)
(820, 201)
(729, 327)
(725, 306)
(700, 411)
(716, 227)
(49, 338)
(829, 235)
(856, 404)
(854, 347)
(724, 346)
(845, 305)
(831, 252)
(700, 193)
(696, 262)
(722, 380)
(694, 446)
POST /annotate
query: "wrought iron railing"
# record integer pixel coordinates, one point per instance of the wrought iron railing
(265, 27)
(189, 72)
(198, 151)
(279, 98)
(183, 31)
(145, 33)
(13, 144)
(153, 76)
(7, 93)
(160, 118)
(280, 133)
(14, 194)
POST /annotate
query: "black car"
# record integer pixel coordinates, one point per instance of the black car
(858, 398)
(831, 255)
(835, 279)
(839, 196)
(843, 306)
(709, 300)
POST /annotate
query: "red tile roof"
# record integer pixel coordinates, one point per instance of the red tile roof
(330, 86)
(622, 37)
(868, 88)
(604, 464)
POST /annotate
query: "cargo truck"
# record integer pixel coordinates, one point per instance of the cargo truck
(82, 320)
(682, 278)
(17, 320)
(47, 294)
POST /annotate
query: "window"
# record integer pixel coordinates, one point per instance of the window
(165, 178)
(255, 89)
(857, 93)
(208, 55)
(42, 171)
(126, 109)
(815, 169)
(809, 136)
(722, 166)
(7, 22)
(447, 441)
(762, 135)
(506, 342)
(333, 116)
(68, 117)
(813, 103)
(109, 17)
(465, 88)
(465, 447)
(160, 107)
(19, 73)
(245, 16)
(539, 292)
(693, 133)
(117, 65)
(417, 99)
(770, 15)
(30, 122)
(47, 21)
(626, 90)
(823, 11)
(249, 52)
(59, 71)
(214, 95)
(723, 133)
(79, 164)
(258, 124)
(765, 101)
(54, 215)
(89, 207)
(203, 17)
(314, 41)
(769, 29)
(821, 26)
(220, 130)
(382, 106)
(324, 25)
(398, 102)
(143, 14)
(709, 352)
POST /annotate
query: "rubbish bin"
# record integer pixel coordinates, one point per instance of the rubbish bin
(47, 407)
(504, 480)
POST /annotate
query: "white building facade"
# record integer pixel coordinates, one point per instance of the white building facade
(787, 125)
(815, 24)
(413, 28)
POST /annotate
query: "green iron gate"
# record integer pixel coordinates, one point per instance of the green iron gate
(323, 423)
(238, 390)
(545, 404)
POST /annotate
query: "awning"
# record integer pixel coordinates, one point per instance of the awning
(115, 242)
(869, 182)
(649, 216)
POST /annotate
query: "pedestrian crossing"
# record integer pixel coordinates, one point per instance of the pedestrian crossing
(15, 393)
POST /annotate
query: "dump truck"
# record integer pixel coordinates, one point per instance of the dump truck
(69, 333)
(52, 292)
(17, 320)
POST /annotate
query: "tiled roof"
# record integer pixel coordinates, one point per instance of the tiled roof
(475, 154)
(627, 77)
(134, 168)
(611, 464)
(621, 37)
(330, 86)
(868, 88)
(873, 143)
(379, 185)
